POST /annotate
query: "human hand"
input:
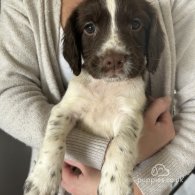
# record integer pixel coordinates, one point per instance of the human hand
(85, 183)
(158, 128)
(66, 9)
(136, 190)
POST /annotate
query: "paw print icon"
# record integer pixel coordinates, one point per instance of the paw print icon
(159, 170)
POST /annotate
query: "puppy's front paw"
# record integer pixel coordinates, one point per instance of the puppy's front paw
(42, 181)
(115, 184)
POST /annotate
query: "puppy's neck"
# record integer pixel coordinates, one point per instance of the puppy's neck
(84, 75)
(127, 87)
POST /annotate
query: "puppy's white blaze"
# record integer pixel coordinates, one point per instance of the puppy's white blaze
(111, 5)
(113, 42)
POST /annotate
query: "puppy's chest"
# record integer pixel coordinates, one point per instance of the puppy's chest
(100, 113)
(102, 106)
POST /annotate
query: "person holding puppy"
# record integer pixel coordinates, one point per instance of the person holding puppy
(32, 81)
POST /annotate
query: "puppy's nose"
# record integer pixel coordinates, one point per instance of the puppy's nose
(114, 61)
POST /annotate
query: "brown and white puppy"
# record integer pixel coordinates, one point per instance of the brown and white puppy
(118, 40)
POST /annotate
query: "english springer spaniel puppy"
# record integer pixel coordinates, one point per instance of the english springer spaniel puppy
(118, 41)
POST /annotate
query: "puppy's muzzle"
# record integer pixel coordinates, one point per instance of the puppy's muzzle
(113, 63)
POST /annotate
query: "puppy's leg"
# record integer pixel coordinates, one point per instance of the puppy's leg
(116, 174)
(46, 176)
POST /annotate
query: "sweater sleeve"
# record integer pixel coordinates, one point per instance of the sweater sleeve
(24, 110)
(86, 148)
(155, 175)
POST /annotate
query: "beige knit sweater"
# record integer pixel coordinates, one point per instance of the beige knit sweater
(31, 83)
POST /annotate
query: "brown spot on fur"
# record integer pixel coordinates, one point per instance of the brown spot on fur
(112, 179)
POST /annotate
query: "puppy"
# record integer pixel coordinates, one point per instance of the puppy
(118, 41)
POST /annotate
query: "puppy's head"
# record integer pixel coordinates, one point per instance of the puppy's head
(116, 38)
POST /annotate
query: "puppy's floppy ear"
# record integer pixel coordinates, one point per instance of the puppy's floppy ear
(155, 43)
(72, 44)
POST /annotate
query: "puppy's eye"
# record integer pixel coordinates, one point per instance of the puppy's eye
(136, 24)
(90, 28)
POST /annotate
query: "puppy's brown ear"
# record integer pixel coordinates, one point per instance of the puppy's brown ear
(72, 44)
(155, 43)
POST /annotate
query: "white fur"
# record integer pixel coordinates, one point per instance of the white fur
(104, 108)
(113, 42)
(88, 98)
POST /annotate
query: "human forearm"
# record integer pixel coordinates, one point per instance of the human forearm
(177, 159)
(24, 116)
(24, 108)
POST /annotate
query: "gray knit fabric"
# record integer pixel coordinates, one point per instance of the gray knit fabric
(31, 83)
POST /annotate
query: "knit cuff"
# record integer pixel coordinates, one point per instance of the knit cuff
(153, 175)
(157, 174)
(86, 148)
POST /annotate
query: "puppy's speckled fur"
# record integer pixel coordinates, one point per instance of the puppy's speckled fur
(107, 98)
